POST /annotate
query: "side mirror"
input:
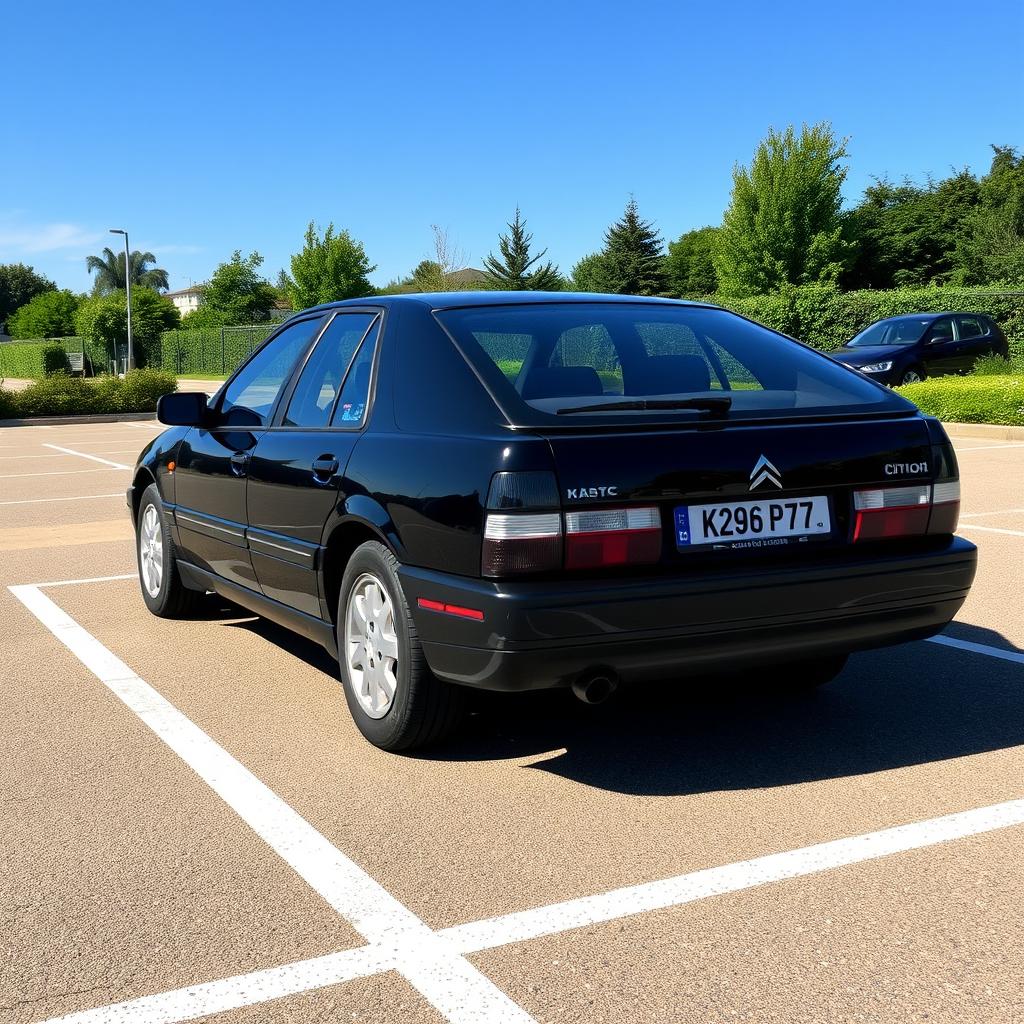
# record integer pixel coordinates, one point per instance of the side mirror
(183, 409)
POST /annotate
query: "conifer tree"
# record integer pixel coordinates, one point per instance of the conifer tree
(633, 259)
(512, 271)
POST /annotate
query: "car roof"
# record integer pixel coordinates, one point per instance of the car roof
(925, 316)
(453, 300)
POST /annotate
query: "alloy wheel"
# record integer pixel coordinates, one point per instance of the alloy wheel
(151, 551)
(371, 645)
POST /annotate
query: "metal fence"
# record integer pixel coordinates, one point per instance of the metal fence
(214, 350)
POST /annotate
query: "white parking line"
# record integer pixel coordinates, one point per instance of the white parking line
(968, 645)
(987, 447)
(445, 978)
(86, 455)
(997, 512)
(398, 940)
(991, 529)
(77, 497)
(58, 472)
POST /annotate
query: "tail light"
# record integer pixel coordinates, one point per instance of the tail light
(606, 537)
(524, 542)
(525, 532)
(891, 512)
(946, 492)
(906, 511)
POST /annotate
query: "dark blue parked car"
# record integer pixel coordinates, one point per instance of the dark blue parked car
(906, 349)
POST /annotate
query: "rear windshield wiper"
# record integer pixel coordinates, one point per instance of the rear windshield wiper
(717, 406)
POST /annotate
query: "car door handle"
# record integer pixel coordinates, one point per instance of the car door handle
(324, 468)
(240, 463)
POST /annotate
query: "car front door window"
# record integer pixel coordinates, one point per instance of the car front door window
(249, 398)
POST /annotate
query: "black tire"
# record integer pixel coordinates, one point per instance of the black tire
(171, 599)
(806, 676)
(917, 371)
(423, 710)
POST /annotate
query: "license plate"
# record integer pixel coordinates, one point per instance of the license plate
(761, 523)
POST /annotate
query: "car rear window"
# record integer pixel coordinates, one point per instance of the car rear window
(575, 362)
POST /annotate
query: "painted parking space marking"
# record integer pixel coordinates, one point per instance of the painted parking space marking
(968, 645)
(75, 497)
(58, 472)
(86, 455)
(987, 447)
(444, 977)
(997, 512)
(991, 529)
(433, 961)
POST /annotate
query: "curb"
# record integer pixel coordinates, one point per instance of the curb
(994, 431)
(95, 417)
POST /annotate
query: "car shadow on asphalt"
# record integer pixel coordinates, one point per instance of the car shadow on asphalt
(892, 708)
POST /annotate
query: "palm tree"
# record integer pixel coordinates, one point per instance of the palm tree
(109, 270)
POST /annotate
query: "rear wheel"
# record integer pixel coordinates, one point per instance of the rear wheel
(395, 701)
(162, 590)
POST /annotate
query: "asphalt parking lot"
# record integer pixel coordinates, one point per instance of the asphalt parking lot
(192, 827)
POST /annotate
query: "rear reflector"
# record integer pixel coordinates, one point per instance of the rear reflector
(450, 609)
(891, 512)
(606, 537)
(521, 543)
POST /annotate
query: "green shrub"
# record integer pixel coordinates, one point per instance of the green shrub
(62, 394)
(824, 317)
(997, 366)
(212, 350)
(55, 359)
(974, 399)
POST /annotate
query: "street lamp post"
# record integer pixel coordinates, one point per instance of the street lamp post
(128, 294)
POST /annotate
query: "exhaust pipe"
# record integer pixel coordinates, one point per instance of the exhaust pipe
(596, 686)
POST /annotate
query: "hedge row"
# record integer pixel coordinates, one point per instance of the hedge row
(979, 398)
(62, 394)
(27, 359)
(825, 318)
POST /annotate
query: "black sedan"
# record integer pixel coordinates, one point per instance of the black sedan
(517, 491)
(906, 349)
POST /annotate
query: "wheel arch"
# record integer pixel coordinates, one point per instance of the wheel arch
(143, 478)
(366, 521)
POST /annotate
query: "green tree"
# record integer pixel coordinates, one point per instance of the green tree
(513, 270)
(783, 223)
(48, 315)
(633, 256)
(906, 235)
(103, 320)
(329, 268)
(590, 274)
(990, 250)
(110, 275)
(235, 294)
(690, 264)
(20, 284)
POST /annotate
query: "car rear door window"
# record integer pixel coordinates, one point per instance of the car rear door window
(250, 395)
(355, 392)
(322, 377)
(970, 327)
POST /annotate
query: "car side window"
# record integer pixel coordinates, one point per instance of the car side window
(355, 392)
(321, 379)
(942, 330)
(250, 396)
(970, 327)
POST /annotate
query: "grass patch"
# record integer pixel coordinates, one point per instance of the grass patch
(63, 395)
(979, 398)
(203, 376)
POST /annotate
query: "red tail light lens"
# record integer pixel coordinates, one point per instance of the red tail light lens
(518, 543)
(607, 537)
(891, 512)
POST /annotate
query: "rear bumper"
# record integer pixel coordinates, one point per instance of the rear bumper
(541, 635)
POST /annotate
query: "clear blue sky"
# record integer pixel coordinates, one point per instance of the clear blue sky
(206, 127)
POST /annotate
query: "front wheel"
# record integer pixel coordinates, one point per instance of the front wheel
(912, 376)
(162, 590)
(395, 701)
